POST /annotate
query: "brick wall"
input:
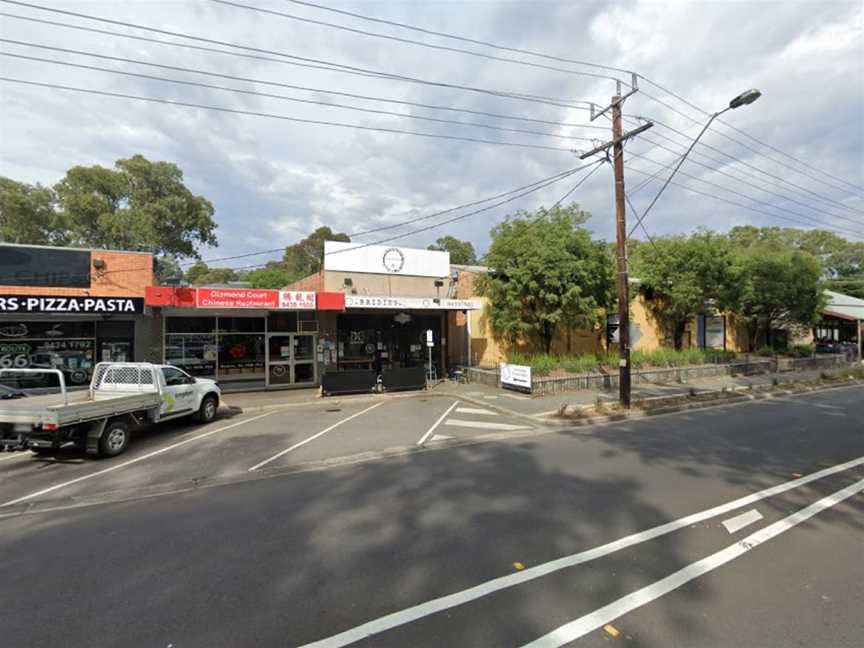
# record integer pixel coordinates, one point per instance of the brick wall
(313, 283)
(126, 274)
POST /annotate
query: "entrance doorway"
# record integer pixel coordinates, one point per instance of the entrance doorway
(291, 359)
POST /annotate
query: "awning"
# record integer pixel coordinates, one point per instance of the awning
(843, 306)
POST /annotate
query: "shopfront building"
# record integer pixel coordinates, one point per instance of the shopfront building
(388, 316)
(244, 338)
(67, 309)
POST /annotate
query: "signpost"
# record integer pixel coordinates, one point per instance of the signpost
(430, 342)
(517, 377)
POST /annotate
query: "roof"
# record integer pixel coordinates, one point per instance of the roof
(76, 249)
(844, 306)
(479, 269)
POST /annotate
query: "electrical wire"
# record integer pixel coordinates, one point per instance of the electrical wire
(409, 41)
(276, 96)
(738, 193)
(744, 133)
(472, 213)
(750, 184)
(464, 39)
(781, 181)
(317, 122)
(411, 221)
(352, 95)
(306, 61)
(586, 63)
(743, 206)
(576, 186)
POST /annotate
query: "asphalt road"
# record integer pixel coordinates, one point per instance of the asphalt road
(610, 534)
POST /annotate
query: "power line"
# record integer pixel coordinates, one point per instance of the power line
(745, 134)
(409, 41)
(576, 186)
(472, 213)
(464, 39)
(750, 184)
(537, 186)
(271, 95)
(782, 181)
(586, 63)
(318, 122)
(738, 193)
(743, 206)
(331, 66)
(561, 175)
(274, 83)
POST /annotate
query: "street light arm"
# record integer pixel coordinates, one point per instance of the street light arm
(678, 166)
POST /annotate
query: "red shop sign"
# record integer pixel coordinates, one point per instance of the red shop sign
(236, 298)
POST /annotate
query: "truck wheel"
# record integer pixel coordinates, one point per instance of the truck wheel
(207, 411)
(114, 440)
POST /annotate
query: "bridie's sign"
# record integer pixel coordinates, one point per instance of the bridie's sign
(419, 303)
(254, 298)
(516, 377)
(95, 305)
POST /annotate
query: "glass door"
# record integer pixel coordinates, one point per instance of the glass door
(291, 359)
(304, 367)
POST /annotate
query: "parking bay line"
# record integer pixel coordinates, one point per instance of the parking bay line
(312, 438)
(408, 615)
(598, 618)
(475, 410)
(436, 424)
(486, 425)
(149, 455)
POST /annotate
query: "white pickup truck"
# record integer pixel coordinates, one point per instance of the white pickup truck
(121, 395)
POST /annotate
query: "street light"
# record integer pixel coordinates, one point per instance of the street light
(744, 99)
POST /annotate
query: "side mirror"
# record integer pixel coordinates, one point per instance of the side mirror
(191, 380)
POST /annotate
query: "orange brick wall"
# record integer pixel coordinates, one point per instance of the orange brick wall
(126, 274)
(313, 282)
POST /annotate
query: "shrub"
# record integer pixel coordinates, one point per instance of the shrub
(765, 351)
(801, 351)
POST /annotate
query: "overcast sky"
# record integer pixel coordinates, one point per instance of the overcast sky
(272, 181)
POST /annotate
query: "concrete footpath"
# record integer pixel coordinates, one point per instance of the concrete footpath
(516, 403)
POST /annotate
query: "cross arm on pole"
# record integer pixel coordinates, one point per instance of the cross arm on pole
(620, 140)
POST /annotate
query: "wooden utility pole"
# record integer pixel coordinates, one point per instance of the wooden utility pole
(617, 146)
(621, 246)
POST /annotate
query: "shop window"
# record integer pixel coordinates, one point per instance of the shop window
(195, 354)
(190, 324)
(241, 354)
(67, 346)
(282, 322)
(241, 324)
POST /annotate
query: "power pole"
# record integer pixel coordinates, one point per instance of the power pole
(621, 247)
(617, 146)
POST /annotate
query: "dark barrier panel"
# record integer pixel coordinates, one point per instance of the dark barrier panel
(404, 378)
(348, 382)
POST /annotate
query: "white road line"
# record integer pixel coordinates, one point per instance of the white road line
(313, 437)
(516, 397)
(740, 521)
(486, 425)
(490, 398)
(402, 617)
(435, 425)
(18, 454)
(598, 618)
(133, 461)
(475, 410)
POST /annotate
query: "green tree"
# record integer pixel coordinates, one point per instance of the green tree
(461, 252)
(273, 275)
(137, 205)
(28, 214)
(200, 274)
(168, 269)
(679, 274)
(305, 258)
(776, 287)
(546, 272)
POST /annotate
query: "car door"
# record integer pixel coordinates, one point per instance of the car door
(179, 394)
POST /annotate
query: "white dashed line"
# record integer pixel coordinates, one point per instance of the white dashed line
(486, 425)
(435, 425)
(740, 521)
(475, 410)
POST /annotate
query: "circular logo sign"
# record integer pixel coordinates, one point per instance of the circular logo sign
(393, 260)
